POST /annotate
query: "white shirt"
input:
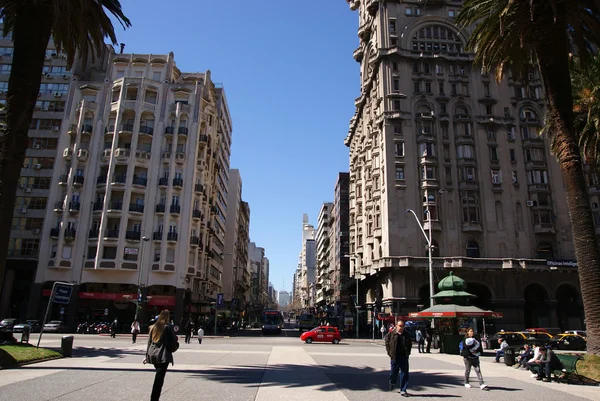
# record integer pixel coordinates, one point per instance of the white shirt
(135, 326)
(200, 332)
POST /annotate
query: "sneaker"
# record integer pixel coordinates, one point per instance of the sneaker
(403, 393)
(538, 378)
(545, 379)
(467, 385)
(483, 386)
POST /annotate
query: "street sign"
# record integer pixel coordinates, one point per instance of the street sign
(62, 293)
(219, 300)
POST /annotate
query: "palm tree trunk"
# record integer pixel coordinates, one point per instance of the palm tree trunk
(554, 67)
(32, 30)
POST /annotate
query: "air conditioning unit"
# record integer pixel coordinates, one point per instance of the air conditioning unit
(27, 189)
(57, 94)
(23, 210)
(36, 231)
(37, 166)
(469, 177)
(529, 203)
(56, 129)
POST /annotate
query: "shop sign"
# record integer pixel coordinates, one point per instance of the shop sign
(161, 300)
(131, 251)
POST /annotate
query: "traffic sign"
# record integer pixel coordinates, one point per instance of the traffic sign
(220, 300)
(62, 293)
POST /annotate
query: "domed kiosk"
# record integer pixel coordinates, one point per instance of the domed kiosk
(453, 314)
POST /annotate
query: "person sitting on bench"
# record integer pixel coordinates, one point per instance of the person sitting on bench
(547, 363)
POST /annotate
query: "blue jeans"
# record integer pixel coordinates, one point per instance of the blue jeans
(498, 355)
(399, 365)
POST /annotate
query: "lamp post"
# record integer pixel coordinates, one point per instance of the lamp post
(139, 281)
(430, 253)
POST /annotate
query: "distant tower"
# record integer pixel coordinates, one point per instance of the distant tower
(305, 218)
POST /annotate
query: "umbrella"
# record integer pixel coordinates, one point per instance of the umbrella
(453, 311)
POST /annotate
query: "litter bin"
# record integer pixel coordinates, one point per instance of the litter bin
(25, 334)
(509, 356)
(66, 346)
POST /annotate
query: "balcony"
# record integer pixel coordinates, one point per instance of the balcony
(74, 206)
(146, 130)
(67, 153)
(196, 214)
(198, 187)
(109, 130)
(166, 156)
(178, 182)
(122, 154)
(87, 129)
(23, 253)
(157, 236)
(78, 180)
(175, 209)
(59, 206)
(111, 234)
(72, 129)
(119, 179)
(182, 131)
(179, 157)
(160, 208)
(139, 181)
(136, 208)
(203, 138)
(163, 182)
(97, 206)
(94, 233)
(133, 235)
(115, 205)
(543, 228)
(126, 129)
(63, 179)
(54, 232)
(172, 237)
(101, 180)
(195, 241)
(82, 154)
(358, 54)
(70, 234)
(169, 130)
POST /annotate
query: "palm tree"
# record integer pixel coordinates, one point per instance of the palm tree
(516, 34)
(586, 108)
(78, 27)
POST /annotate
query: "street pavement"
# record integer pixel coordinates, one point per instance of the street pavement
(263, 368)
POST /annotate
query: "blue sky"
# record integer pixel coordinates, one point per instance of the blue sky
(290, 82)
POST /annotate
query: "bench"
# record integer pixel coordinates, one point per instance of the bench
(569, 372)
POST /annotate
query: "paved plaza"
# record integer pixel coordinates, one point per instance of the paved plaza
(263, 369)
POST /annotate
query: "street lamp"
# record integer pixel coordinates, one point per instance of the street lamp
(357, 306)
(139, 281)
(430, 247)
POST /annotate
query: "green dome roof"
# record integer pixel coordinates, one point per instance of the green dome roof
(452, 282)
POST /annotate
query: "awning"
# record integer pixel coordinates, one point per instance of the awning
(453, 311)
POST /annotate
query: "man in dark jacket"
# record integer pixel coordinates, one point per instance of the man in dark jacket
(548, 362)
(398, 346)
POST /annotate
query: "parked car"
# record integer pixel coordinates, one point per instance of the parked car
(581, 333)
(569, 342)
(537, 337)
(8, 324)
(328, 334)
(55, 326)
(513, 338)
(34, 326)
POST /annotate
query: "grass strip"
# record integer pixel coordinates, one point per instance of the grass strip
(590, 367)
(12, 355)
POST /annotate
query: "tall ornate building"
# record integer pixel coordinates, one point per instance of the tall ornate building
(137, 201)
(432, 133)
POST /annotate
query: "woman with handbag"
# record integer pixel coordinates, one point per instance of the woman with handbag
(162, 342)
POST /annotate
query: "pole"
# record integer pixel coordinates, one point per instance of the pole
(46, 315)
(139, 283)
(430, 244)
(373, 322)
(357, 307)
(215, 318)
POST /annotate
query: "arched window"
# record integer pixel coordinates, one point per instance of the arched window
(545, 251)
(472, 249)
(436, 39)
(528, 115)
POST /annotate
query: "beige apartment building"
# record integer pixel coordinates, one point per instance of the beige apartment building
(36, 174)
(432, 132)
(324, 273)
(137, 198)
(236, 275)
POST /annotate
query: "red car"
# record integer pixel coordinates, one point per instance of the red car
(326, 334)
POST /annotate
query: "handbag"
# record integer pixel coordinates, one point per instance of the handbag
(171, 342)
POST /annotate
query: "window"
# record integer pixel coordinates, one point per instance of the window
(428, 173)
(427, 68)
(441, 88)
(486, 89)
(537, 177)
(545, 251)
(427, 87)
(399, 149)
(496, 177)
(417, 88)
(170, 255)
(472, 249)
(493, 154)
(470, 205)
(395, 85)
(512, 156)
(394, 66)
(120, 74)
(400, 172)
(392, 26)
(448, 171)
(156, 75)
(467, 173)
(109, 252)
(515, 179)
(427, 149)
(489, 110)
(396, 104)
(464, 151)
(439, 69)
(451, 13)
(416, 67)
(91, 252)
(397, 129)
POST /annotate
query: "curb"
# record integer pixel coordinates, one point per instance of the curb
(146, 336)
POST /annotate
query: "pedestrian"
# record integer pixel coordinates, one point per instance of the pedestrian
(429, 338)
(162, 342)
(420, 340)
(113, 328)
(135, 329)
(398, 346)
(189, 330)
(382, 331)
(200, 334)
(500, 351)
(470, 350)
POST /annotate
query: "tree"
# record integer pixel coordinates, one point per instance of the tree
(586, 108)
(78, 28)
(517, 34)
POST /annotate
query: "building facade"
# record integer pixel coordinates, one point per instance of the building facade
(35, 183)
(283, 298)
(432, 133)
(323, 276)
(258, 286)
(138, 193)
(342, 284)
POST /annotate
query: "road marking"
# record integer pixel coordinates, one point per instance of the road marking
(283, 363)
